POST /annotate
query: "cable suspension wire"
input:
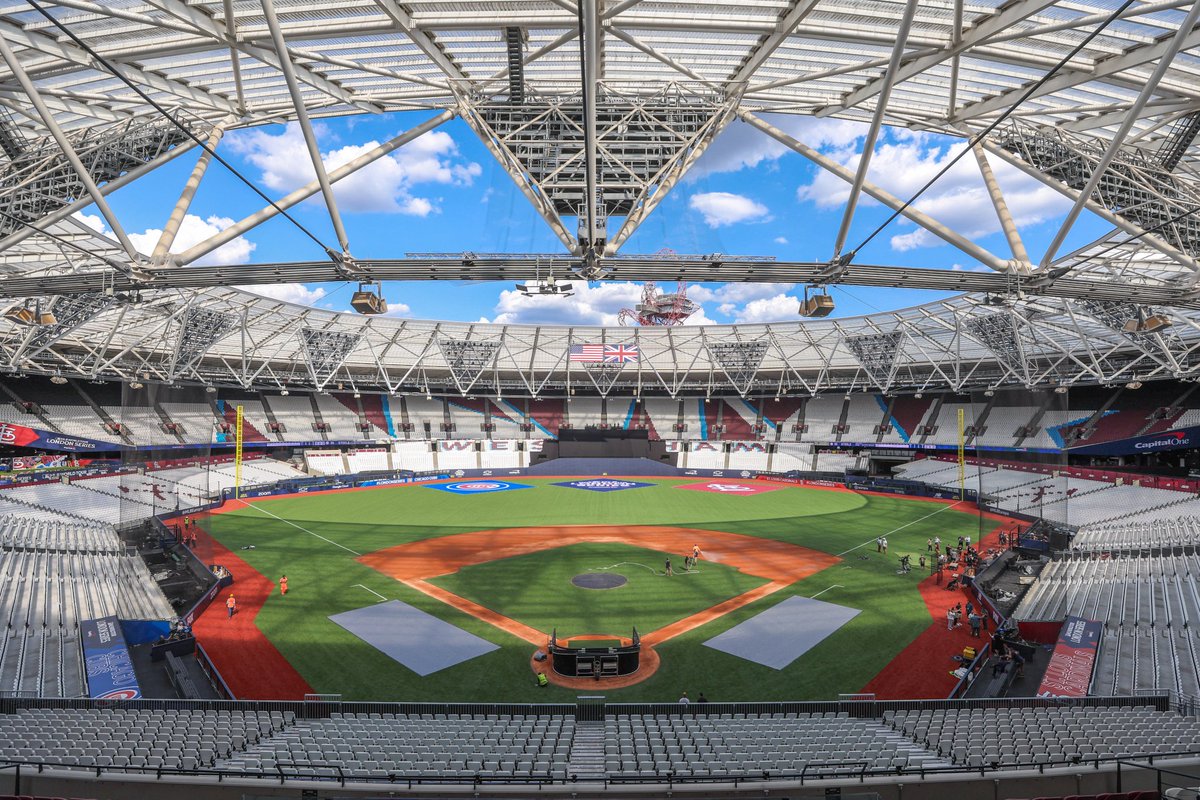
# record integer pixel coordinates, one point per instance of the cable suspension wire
(974, 140)
(108, 65)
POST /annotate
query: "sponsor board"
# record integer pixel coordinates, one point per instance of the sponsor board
(734, 488)
(1069, 672)
(777, 478)
(110, 674)
(603, 485)
(1174, 439)
(487, 486)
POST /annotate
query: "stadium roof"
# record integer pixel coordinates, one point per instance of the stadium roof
(596, 108)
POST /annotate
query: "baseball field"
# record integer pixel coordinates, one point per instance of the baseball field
(495, 565)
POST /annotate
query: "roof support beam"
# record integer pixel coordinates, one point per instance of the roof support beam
(308, 190)
(772, 41)
(864, 161)
(424, 42)
(207, 26)
(1007, 224)
(999, 22)
(1118, 139)
(589, 19)
(152, 80)
(68, 151)
(171, 228)
(887, 198)
(1149, 239)
(310, 136)
(1105, 68)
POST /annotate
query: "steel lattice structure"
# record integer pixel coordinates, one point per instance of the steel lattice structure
(597, 108)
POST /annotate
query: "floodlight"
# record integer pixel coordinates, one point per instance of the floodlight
(368, 300)
(22, 315)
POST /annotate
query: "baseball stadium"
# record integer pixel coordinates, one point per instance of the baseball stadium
(599, 398)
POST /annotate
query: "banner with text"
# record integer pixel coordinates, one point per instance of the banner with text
(1069, 672)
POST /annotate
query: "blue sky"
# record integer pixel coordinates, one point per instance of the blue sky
(444, 193)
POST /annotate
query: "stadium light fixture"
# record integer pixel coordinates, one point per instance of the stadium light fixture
(1134, 384)
(369, 299)
(284, 392)
(135, 385)
(22, 315)
(58, 380)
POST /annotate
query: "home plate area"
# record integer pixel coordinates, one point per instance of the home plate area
(419, 641)
(781, 634)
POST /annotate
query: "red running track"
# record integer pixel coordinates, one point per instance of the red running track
(922, 670)
(252, 667)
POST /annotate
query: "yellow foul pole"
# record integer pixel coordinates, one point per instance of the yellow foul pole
(237, 456)
(962, 454)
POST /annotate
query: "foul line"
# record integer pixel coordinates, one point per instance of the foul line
(301, 527)
(625, 564)
(372, 591)
(902, 527)
(826, 589)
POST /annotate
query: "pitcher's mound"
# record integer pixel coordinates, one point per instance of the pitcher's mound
(599, 580)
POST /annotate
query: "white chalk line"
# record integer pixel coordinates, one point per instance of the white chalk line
(902, 527)
(301, 527)
(826, 589)
(372, 591)
(652, 570)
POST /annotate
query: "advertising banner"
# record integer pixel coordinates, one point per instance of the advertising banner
(1069, 672)
(106, 659)
(1174, 439)
(19, 436)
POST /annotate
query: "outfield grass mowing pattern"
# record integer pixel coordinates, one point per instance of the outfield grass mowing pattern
(326, 580)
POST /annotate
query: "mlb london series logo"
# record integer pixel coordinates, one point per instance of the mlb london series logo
(730, 487)
(478, 487)
(604, 485)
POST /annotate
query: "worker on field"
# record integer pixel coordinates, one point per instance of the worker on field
(231, 606)
(283, 585)
(695, 553)
(670, 571)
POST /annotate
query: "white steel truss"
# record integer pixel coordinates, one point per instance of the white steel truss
(607, 130)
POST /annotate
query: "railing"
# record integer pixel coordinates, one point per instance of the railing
(811, 772)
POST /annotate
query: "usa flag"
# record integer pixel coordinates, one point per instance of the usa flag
(604, 353)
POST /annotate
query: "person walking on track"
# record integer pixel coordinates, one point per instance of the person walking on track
(283, 585)
(231, 606)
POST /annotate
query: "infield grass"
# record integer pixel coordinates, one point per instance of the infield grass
(326, 579)
(536, 588)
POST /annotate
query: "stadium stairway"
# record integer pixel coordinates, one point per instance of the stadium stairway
(587, 752)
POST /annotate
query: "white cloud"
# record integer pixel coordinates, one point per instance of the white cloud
(736, 293)
(777, 308)
(194, 230)
(726, 208)
(590, 305)
(741, 146)
(780, 240)
(93, 221)
(296, 293)
(958, 199)
(385, 185)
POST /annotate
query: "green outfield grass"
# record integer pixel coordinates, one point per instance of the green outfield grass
(315, 539)
(536, 589)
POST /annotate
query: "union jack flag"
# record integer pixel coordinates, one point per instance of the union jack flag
(604, 353)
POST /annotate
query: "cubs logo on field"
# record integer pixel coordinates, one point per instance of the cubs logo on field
(735, 488)
(478, 487)
(604, 485)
